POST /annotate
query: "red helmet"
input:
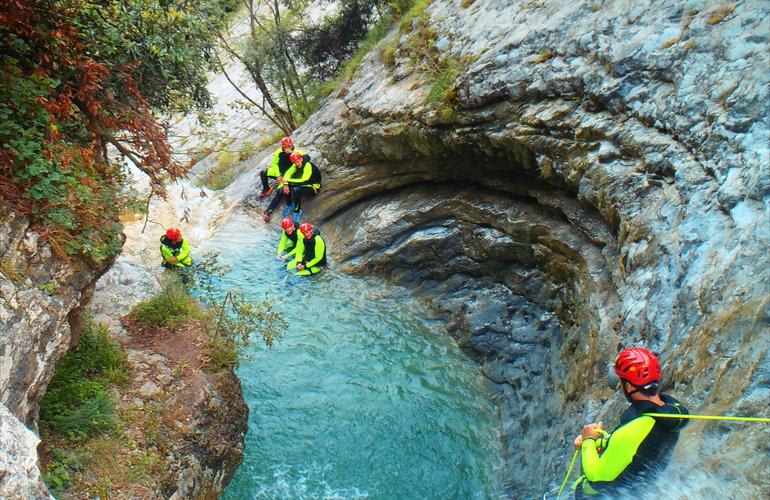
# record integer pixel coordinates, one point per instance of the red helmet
(286, 142)
(638, 366)
(287, 223)
(296, 159)
(306, 228)
(173, 234)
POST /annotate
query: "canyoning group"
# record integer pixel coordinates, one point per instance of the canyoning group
(295, 176)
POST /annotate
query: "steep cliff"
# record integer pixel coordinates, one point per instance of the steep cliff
(41, 305)
(596, 175)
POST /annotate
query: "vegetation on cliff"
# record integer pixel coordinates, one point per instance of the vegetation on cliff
(81, 79)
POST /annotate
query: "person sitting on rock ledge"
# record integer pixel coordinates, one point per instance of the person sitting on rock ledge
(641, 445)
(302, 178)
(310, 254)
(288, 242)
(174, 250)
(280, 164)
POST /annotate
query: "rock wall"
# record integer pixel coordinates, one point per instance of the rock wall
(41, 304)
(19, 475)
(597, 177)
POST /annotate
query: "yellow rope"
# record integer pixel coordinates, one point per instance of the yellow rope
(572, 465)
(710, 417)
(569, 472)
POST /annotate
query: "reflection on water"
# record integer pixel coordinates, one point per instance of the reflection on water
(363, 398)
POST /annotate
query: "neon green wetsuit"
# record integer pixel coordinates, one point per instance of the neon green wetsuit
(281, 163)
(288, 242)
(311, 253)
(180, 250)
(638, 448)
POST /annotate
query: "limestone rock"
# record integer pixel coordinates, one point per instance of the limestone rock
(19, 475)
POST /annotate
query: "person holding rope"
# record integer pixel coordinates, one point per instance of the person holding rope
(641, 446)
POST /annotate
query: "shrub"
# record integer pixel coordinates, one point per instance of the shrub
(234, 319)
(170, 308)
(76, 403)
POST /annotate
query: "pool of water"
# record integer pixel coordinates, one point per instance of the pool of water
(363, 398)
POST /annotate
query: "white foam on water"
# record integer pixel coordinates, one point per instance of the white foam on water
(286, 482)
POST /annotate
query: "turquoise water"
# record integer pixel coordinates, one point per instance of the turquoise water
(363, 398)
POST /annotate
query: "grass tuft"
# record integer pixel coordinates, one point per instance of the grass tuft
(172, 307)
(76, 403)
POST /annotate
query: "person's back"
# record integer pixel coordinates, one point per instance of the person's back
(641, 446)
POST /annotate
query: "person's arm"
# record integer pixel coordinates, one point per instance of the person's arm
(307, 171)
(282, 244)
(619, 450)
(184, 252)
(320, 246)
(299, 249)
(165, 252)
(292, 170)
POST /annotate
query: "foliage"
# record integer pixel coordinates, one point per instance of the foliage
(331, 50)
(170, 308)
(235, 318)
(79, 76)
(57, 471)
(10, 270)
(76, 403)
(325, 47)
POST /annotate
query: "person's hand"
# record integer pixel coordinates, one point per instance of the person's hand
(172, 260)
(591, 431)
(286, 189)
(301, 267)
(578, 442)
(281, 180)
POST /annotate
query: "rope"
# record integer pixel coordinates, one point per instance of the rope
(569, 472)
(711, 417)
(572, 465)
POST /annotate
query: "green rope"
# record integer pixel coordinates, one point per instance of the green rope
(710, 417)
(569, 472)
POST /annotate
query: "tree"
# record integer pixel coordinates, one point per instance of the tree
(79, 76)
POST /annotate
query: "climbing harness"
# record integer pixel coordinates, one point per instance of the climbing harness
(664, 415)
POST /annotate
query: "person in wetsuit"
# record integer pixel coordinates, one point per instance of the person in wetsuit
(278, 167)
(641, 446)
(288, 244)
(310, 256)
(303, 178)
(174, 250)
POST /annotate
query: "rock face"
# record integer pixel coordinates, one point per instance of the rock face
(41, 304)
(597, 178)
(19, 475)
